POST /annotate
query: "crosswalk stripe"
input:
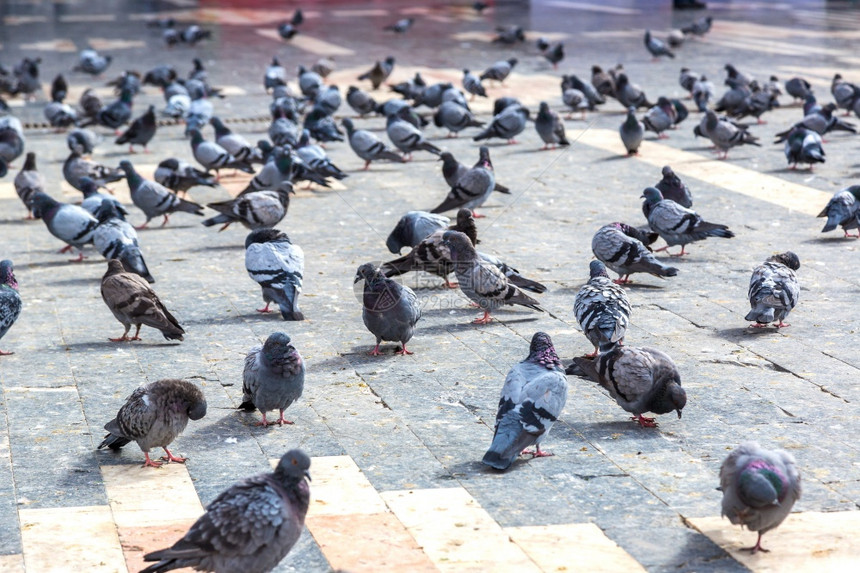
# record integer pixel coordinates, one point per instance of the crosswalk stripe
(723, 174)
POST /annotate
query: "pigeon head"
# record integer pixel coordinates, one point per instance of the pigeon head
(459, 244)
(266, 235)
(484, 157)
(787, 258)
(220, 128)
(667, 172)
(542, 351)
(294, 467)
(652, 195)
(760, 484)
(465, 71)
(348, 125)
(4, 167)
(389, 60)
(88, 186)
(596, 70)
(597, 269)
(367, 273)
(114, 267)
(512, 62)
(30, 162)
(7, 274)
(854, 190)
(196, 137)
(276, 346)
(543, 110)
(677, 396)
(128, 168)
(43, 205)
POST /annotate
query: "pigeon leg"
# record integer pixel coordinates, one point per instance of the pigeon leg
(131, 149)
(662, 135)
(403, 351)
(486, 319)
(124, 336)
(150, 463)
(264, 422)
(171, 458)
(782, 324)
(477, 215)
(681, 254)
(850, 236)
(592, 354)
(80, 258)
(758, 325)
(366, 165)
(449, 284)
(623, 280)
(143, 226)
(6, 353)
(65, 249)
(224, 226)
(645, 422)
(375, 351)
(281, 421)
(537, 452)
(266, 308)
(136, 334)
(755, 548)
(117, 132)
(166, 220)
(512, 141)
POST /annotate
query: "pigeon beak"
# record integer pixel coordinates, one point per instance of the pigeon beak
(308, 475)
(679, 414)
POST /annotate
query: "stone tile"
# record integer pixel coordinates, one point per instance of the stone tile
(144, 497)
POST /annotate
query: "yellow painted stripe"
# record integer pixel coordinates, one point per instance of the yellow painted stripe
(359, 13)
(731, 177)
(108, 44)
(7, 190)
(50, 46)
(18, 20)
(56, 540)
(307, 43)
(555, 548)
(813, 542)
(143, 497)
(455, 531)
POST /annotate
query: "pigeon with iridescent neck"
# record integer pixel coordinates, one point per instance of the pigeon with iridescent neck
(390, 310)
(273, 378)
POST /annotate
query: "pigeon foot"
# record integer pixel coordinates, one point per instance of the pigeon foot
(171, 458)
(403, 351)
(645, 422)
(2, 353)
(486, 319)
(150, 463)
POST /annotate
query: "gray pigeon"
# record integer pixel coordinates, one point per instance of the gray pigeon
(82, 141)
(11, 142)
(843, 209)
(656, 47)
(329, 99)
(452, 170)
(632, 132)
(623, 249)
(254, 209)
(798, 88)
(513, 275)
(550, 127)
(532, 398)
(275, 75)
(360, 101)
(368, 146)
(602, 309)
(140, 132)
(235, 144)
(703, 92)
(630, 94)
(678, 225)
(500, 70)
(575, 100)
(482, 282)
(29, 181)
(250, 527)
(114, 238)
(10, 300)
(414, 227)
(844, 93)
(278, 266)
(317, 159)
(803, 146)
(310, 83)
(507, 124)
(132, 301)
(390, 310)
(93, 200)
(69, 223)
(660, 117)
(379, 72)
(273, 379)
(671, 187)
(154, 415)
(687, 79)
(774, 290)
(401, 26)
(640, 379)
(454, 117)
(592, 96)
(406, 137)
(92, 63)
(759, 488)
(180, 176)
(155, 199)
(725, 134)
(472, 188)
(212, 156)
(77, 167)
(472, 84)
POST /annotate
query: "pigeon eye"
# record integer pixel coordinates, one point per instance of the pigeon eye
(295, 462)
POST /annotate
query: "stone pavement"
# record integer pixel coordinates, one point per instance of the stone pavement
(396, 442)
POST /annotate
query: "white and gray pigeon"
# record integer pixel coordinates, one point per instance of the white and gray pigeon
(774, 290)
(532, 399)
(760, 487)
(114, 238)
(623, 249)
(28, 181)
(317, 159)
(678, 225)
(482, 282)
(11, 141)
(254, 210)
(632, 132)
(368, 146)
(473, 188)
(278, 266)
(155, 199)
(656, 47)
(575, 100)
(199, 113)
(406, 137)
(69, 223)
(659, 117)
(414, 227)
(250, 527)
(703, 92)
(454, 117)
(93, 199)
(10, 300)
(507, 124)
(275, 75)
(389, 310)
(273, 378)
(212, 156)
(688, 78)
(602, 309)
(639, 379)
(180, 176)
(472, 84)
(283, 131)
(82, 141)
(843, 209)
(76, 167)
(154, 415)
(550, 127)
(92, 63)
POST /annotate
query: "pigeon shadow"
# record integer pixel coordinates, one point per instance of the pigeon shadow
(829, 240)
(21, 221)
(615, 157)
(737, 333)
(218, 248)
(64, 262)
(235, 423)
(618, 429)
(102, 345)
(78, 281)
(642, 286)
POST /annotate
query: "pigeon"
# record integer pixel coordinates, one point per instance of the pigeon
(193, 34)
(640, 379)
(656, 47)
(574, 99)
(329, 99)
(472, 188)
(774, 290)
(671, 187)
(115, 114)
(452, 170)
(324, 66)
(199, 113)
(630, 94)
(283, 131)
(702, 92)
(592, 96)
(276, 172)
(676, 38)
(360, 101)
(602, 81)
(678, 225)
(254, 210)
(401, 26)
(803, 146)
(76, 167)
(632, 132)
(472, 84)
(11, 142)
(725, 135)
(624, 249)
(179, 176)
(140, 132)
(277, 265)
(160, 76)
(212, 156)
(411, 89)
(844, 93)
(132, 301)
(322, 126)
(155, 199)
(273, 378)
(250, 527)
(843, 209)
(479, 7)
(289, 29)
(368, 146)
(681, 111)
(509, 35)
(92, 63)
(82, 141)
(759, 488)
(26, 73)
(390, 310)
(798, 88)
(660, 117)
(500, 70)
(431, 96)
(10, 300)
(69, 223)
(406, 137)
(507, 124)
(29, 181)
(310, 83)
(59, 114)
(90, 103)
(550, 127)
(414, 227)
(821, 121)
(116, 239)
(153, 416)
(602, 309)
(754, 104)
(699, 27)
(482, 283)
(379, 72)
(532, 398)
(735, 77)
(316, 158)
(93, 200)
(235, 144)
(513, 275)
(455, 118)
(275, 75)
(554, 54)
(687, 79)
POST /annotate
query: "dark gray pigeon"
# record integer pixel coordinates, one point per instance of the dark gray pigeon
(406, 137)
(630, 94)
(274, 377)
(532, 398)
(592, 96)
(632, 132)
(401, 26)
(507, 124)
(10, 300)
(603, 81)
(759, 488)
(250, 527)
(29, 181)
(368, 146)
(640, 379)
(154, 415)
(11, 141)
(500, 70)
(76, 167)
(472, 188)
(278, 266)
(678, 225)
(472, 84)
(414, 227)
(509, 34)
(379, 72)
(140, 132)
(454, 117)
(624, 249)
(310, 83)
(452, 170)
(114, 238)
(550, 127)
(235, 144)
(660, 117)
(360, 101)
(322, 126)
(798, 88)
(672, 188)
(69, 223)
(656, 47)
(774, 290)
(180, 176)
(390, 310)
(843, 209)
(803, 146)
(82, 141)
(155, 199)
(602, 309)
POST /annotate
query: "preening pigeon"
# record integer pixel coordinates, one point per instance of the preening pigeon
(532, 398)
(843, 209)
(703, 92)
(774, 290)
(154, 415)
(640, 379)
(28, 181)
(273, 378)
(368, 146)
(414, 227)
(82, 141)
(69, 223)
(550, 127)
(632, 132)
(678, 225)
(132, 301)
(472, 188)
(250, 527)
(602, 309)
(10, 300)
(390, 310)
(624, 249)
(603, 82)
(759, 488)
(155, 199)
(656, 47)
(278, 266)
(798, 88)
